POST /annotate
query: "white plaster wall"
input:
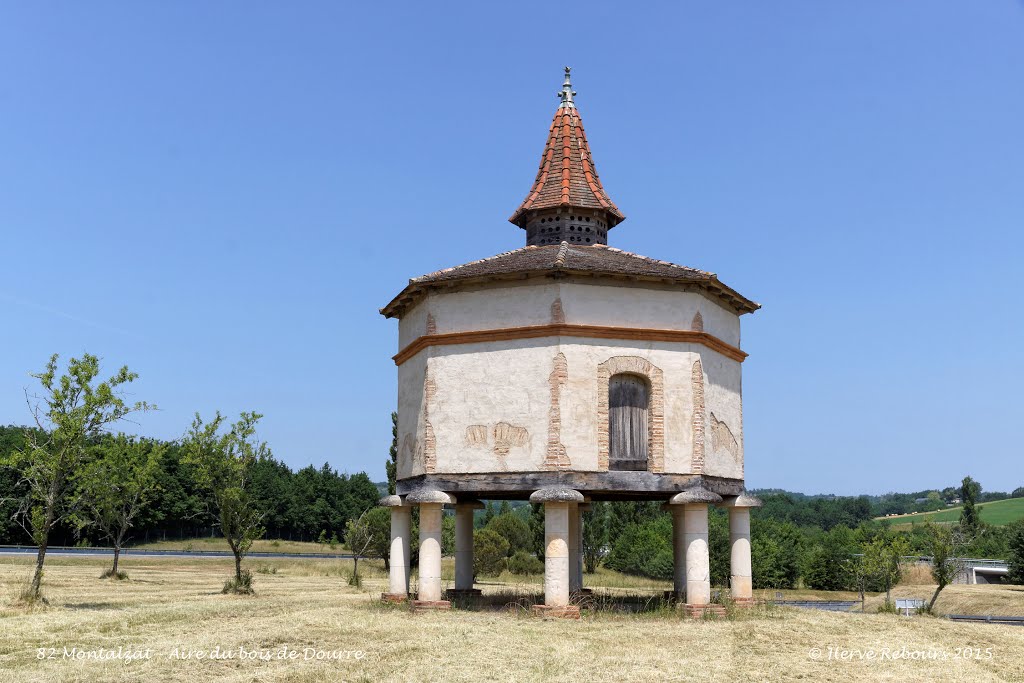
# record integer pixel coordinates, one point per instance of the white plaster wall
(410, 415)
(484, 385)
(511, 305)
(529, 303)
(489, 383)
(723, 455)
(413, 323)
(618, 306)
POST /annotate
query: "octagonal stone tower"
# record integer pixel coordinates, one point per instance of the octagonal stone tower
(569, 371)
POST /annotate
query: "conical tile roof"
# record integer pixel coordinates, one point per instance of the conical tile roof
(567, 177)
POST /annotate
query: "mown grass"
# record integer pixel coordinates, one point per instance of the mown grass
(996, 512)
(169, 603)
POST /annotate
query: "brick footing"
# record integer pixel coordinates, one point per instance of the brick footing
(699, 611)
(430, 605)
(394, 597)
(744, 602)
(557, 611)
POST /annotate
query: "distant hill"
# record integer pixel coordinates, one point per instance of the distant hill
(996, 512)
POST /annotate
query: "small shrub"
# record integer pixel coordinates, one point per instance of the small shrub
(525, 563)
(241, 586)
(888, 607)
(275, 544)
(111, 574)
(266, 569)
(189, 547)
(26, 598)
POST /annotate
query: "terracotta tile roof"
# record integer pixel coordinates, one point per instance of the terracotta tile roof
(567, 177)
(554, 260)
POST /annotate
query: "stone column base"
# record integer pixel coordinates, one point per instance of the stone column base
(430, 605)
(462, 593)
(394, 597)
(557, 611)
(700, 611)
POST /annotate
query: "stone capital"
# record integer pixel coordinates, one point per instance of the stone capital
(744, 500)
(695, 495)
(556, 494)
(426, 496)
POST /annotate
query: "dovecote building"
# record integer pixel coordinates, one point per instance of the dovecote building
(565, 372)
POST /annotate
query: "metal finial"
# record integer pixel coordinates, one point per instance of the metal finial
(566, 93)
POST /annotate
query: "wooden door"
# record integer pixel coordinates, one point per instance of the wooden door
(627, 422)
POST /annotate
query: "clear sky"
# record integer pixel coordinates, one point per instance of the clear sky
(221, 195)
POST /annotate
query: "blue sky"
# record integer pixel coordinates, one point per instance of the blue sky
(221, 196)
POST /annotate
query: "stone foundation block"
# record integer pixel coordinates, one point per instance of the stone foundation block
(700, 611)
(557, 611)
(394, 597)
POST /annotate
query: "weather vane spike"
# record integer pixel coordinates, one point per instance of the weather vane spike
(566, 93)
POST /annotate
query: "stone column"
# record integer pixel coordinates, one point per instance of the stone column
(698, 560)
(695, 542)
(557, 503)
(575, 579)
(678, 554)
(399, 558)
(464, 546)
(741, 579)
(431, 505)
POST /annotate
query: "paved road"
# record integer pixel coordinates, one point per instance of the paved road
(131, 552)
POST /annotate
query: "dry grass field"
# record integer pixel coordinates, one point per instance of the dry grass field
(171, 607)
(258, 546)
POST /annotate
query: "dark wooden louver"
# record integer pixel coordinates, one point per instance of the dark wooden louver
(627, 423)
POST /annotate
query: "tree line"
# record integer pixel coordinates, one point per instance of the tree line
(68, 478)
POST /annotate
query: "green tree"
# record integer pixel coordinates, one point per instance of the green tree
(944, 542)
(115, 486)
(595, 535)
(969, 492)
(448, 535)
(377, 521)
(881, 564)
(828, 564)
(644, 549)
(1016, 563)
(360, 535)
(72, 412)
(513, 529)
(489, 512)
(392, 463)
(767, 559)
(223, 463)
(537, 529)
(489, 553)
